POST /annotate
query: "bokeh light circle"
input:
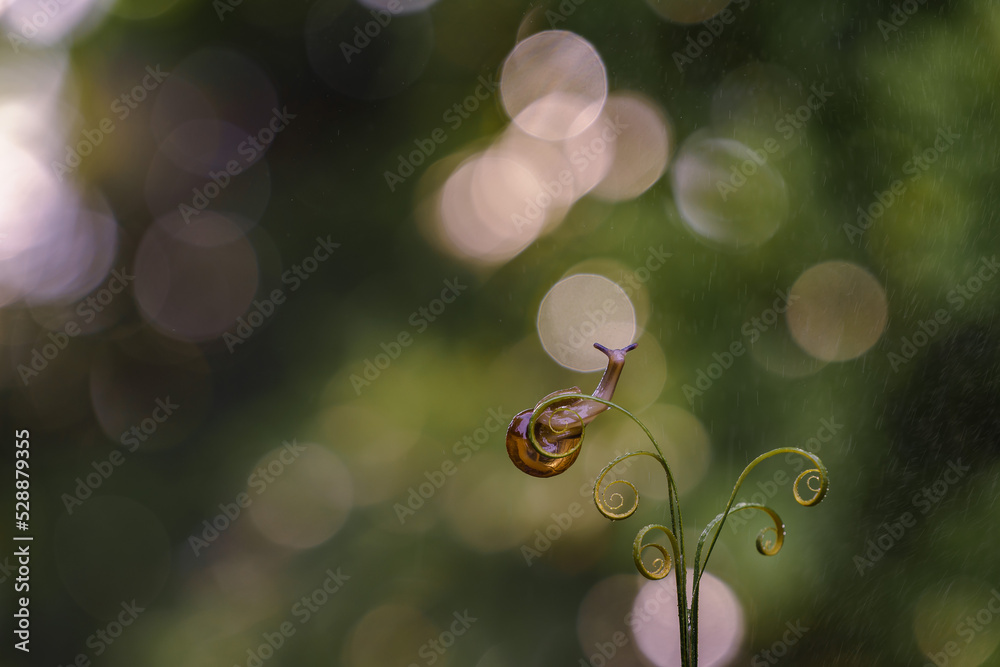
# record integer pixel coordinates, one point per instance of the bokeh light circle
(34, 208)
(589, 154)
(372, 447)
(720, 621)
(727, 194)
(308, 499)
(642, 146)
(390, 634)
(77, 262)
(216, 89)
(553, 84)
(601, 621)
(185, 198)
(203, 146)
(837, 311)
(579, 311)
(634, 279)
(489, 220)
(190, 289)
(549, 163)
(685, 443)
(503, 190)
(35, 24)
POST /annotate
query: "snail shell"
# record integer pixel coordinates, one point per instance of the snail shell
(559, 427)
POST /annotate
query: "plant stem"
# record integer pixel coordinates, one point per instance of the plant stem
(687, 614)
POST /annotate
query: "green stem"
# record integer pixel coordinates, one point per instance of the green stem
(687, 616)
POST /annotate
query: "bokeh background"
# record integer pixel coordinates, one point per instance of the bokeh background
(274, 278)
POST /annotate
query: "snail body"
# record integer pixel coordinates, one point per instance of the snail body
(559, 426)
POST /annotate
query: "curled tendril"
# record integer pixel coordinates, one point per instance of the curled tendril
(565, 415)
(564, 429)
(814, 475)
(610, 505)
(547, 405)
(664, 561)
(817, 480)
(766, 544)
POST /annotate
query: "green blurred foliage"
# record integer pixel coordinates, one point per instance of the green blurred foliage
(461, 549)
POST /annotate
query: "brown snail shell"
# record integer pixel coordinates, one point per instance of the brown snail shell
(559, 427)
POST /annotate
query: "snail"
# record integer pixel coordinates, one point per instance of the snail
(559, 426)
